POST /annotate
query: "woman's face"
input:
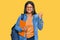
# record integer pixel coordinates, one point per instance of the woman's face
(29, 8)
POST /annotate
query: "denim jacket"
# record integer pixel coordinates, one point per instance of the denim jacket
(37, 24)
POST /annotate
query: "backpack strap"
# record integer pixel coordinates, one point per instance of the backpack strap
(22, 16)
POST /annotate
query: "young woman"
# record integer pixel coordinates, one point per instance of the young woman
(33, 22)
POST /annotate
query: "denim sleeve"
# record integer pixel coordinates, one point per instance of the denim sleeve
(40, 23)
(17, 27)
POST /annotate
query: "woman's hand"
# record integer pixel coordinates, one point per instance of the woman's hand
(40, 15)
(24, 29)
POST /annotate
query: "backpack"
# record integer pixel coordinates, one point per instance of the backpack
(14, 33)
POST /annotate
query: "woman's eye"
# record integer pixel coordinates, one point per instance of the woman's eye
(29, 7)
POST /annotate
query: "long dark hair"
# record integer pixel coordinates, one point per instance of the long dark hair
(30, 2)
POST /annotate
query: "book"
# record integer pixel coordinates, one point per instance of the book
(22, 25)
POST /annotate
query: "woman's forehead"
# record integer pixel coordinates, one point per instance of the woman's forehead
(29, 5)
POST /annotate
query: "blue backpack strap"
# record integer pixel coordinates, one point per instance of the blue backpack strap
(22, 16)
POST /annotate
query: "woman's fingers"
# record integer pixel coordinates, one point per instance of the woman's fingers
(40, 15)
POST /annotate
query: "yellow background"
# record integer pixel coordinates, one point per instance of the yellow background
(11, 9)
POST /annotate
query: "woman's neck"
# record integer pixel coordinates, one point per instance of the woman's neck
(29, 14)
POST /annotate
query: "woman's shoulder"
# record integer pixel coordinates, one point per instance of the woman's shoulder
(36, 15)
(21, 15)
